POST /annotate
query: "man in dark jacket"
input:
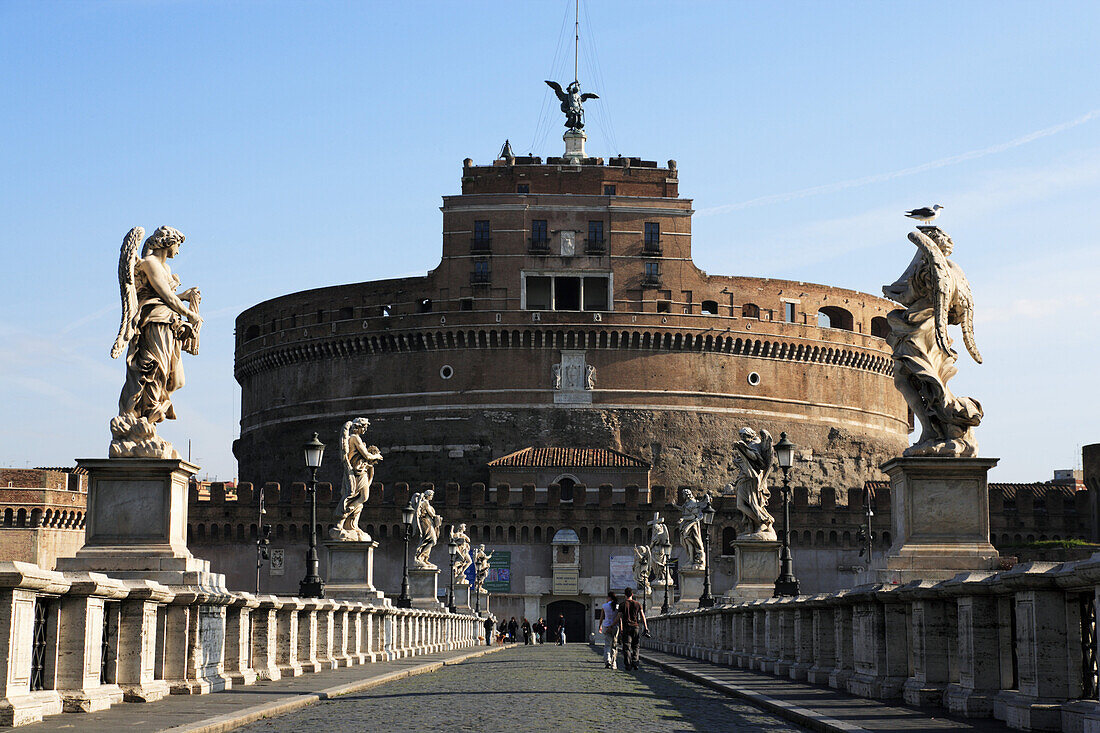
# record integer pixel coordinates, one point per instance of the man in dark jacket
(632, 617)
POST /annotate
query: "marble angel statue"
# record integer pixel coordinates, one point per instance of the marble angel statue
(690, 525)
(754, 458)
(660, 549)
(359, 461)
(934, 294)
(641, 569)
(462, 560)
(481, 566)
(157, 325)
(428, 524)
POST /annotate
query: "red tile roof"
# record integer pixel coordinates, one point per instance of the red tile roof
(569, 458)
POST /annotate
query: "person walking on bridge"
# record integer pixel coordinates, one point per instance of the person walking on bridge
(632, 617)
(609, 627)
(561, 630)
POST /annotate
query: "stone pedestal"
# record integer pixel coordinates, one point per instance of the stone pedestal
(481, 602)
(755, 570)
(424, 588)
(463, 599)
(940, 512)
(351, 571)
(137, 523)
(574, 146)
(691, 588)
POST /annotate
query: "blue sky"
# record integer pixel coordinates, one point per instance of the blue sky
(304, 144)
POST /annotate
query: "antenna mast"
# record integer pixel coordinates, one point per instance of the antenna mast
(576, 39)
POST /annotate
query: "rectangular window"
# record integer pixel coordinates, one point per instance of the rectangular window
(481, 267)
(523, 188)
(538, 293)
(652, 272)
(595, 232)
(608, 190)
(663, 306)
(652, 233)
(595, 293)
(567, 293)
(481, 230)
(538, 231)
(467, 304)
(788, 312)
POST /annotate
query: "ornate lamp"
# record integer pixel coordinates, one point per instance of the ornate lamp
(452, 552)
(312, 586)
(407, 516)
(786, 584)
(707, 600)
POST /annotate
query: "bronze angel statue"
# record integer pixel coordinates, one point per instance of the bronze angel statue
(157, 325)
(571, 101)
(935, 294)
(754, 457)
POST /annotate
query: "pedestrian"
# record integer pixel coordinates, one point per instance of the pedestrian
(488, 632)
(540, 630)
(561, 630)
(609, 627)
(513, 630)
(633, 620)
(526, 628)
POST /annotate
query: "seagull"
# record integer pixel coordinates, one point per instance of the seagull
(924, 213)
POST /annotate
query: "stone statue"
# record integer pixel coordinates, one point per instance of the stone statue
(157, 324)
(428, 524)
(481, 566)
(589, 376)
(642, 563)
(571, 101)
(555, 376)
(691, 530)
(935, 293)
(660, 548)
(462, 555)
(754, 458)
(359, 461)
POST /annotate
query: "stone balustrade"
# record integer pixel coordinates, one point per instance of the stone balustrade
(81, 642)
(1018, 645)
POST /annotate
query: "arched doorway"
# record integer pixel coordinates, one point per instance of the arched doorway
(574, 614)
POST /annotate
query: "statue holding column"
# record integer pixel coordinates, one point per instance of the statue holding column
(359, 461)
(934, 293)
(157, 325)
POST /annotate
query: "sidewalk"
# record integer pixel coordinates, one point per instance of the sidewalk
(223, 711)
(817, 708)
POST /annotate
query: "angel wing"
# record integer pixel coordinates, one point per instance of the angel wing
(589, 95)
(767, 452)
(557, 89)
(416, 499)
(942, 285)
(962, 313)
(127, 259)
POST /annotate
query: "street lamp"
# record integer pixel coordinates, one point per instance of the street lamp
(312, 586)
(407, 514)
(452, 552)
(786, 584)
(666, 551)
(262, 540)
(707, 600)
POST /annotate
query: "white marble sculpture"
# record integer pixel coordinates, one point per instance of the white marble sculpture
(157, 325)
(428, 524)
(589, 377)
(642, 563)
(555, 376)
(690, 525)
(935, 293)
(481, 566)
(462, 559)
(754, 458)
(359, 461)
(660, 548)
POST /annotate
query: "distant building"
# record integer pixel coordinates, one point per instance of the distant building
(43, 513)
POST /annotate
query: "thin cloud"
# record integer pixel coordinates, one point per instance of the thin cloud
(881, 177)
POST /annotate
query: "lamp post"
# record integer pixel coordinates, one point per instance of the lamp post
(786, 584)
(707, 600)
(452, 552)
(262, 540)
(407, 514)
(312, 586)
(666, 552)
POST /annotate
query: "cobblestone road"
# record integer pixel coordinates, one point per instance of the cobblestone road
(529, 690)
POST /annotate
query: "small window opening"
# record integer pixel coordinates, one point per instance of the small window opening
(750, 310)
(425, 305)
(466, 304)
(789, 312)
(664, 306)
(710, 307)
(608, 190)
(567, 293)
(523, 188)
(387, 310)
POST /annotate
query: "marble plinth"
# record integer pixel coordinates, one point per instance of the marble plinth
(137, 523)
(574, 146)
(940, 514)
(463, 598)
(755, 571)
(350, 571)
(424, 588)
(691, 588)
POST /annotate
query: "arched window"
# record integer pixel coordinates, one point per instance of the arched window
(252, 332)
(512, 534)
(567, 484)
(710, 307)
(624, 536)
(880, 327)
(597, 534)
(832, 316)
(750, 310)
(537, 535)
